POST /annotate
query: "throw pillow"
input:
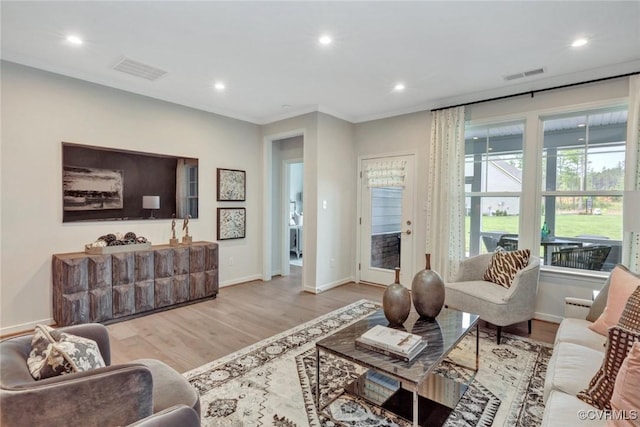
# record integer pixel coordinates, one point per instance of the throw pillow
(600, 388)
(57, 353)
(505, 265)
(630, 317)
(625, 398)
(600, 302)
(622, 283)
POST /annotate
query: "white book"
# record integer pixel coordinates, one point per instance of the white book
(391, 339)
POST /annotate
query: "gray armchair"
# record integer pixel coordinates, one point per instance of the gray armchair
(143, 393)
(494, 303)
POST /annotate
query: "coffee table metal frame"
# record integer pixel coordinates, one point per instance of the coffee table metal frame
(443, 334)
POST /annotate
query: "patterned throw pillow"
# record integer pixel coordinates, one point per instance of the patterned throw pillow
(630, 317)
(505, 265)
(57, 353)
(600, 388)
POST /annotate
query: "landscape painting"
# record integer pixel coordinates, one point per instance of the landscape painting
(89, 189)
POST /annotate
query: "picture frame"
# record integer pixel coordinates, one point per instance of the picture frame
(231, 185)
(231, 223)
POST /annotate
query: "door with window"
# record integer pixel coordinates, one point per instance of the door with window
(387, 219)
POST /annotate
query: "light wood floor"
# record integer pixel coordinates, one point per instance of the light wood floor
(244, 314)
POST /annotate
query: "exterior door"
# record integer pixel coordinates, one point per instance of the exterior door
(387, 219)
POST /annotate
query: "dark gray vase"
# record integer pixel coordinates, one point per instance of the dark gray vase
(427, 291)
(396, 302)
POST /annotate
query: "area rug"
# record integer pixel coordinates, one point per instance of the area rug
(272, 383)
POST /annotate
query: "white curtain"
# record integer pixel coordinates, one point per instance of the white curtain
(181, 189)
(631, 252)
(386, 173)
(445, 192)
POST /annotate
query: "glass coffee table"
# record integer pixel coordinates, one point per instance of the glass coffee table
(409, 389)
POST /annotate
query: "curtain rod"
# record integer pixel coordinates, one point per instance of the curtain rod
(533, 92)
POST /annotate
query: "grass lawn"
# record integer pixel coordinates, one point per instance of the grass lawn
(566, 225)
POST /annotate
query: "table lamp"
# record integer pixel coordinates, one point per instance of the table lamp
(151, 203)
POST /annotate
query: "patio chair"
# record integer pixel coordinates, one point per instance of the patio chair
(585, 258)
(509, 242)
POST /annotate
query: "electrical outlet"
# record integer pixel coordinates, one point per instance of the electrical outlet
(332, 262)
(231, 261)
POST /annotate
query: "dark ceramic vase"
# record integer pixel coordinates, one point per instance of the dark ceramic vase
(396, 302)
(427, 291)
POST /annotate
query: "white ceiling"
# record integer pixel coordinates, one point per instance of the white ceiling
(267, 53)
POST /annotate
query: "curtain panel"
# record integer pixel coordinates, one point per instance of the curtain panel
(445, 192)
(631, 251)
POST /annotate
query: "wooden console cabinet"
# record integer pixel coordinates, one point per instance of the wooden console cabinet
(104, 288)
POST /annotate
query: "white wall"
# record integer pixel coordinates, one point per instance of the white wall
(39, 111)
(405, 134)
(336, 210)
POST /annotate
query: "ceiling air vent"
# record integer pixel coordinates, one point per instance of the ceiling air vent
(139, 69)
(524, 74)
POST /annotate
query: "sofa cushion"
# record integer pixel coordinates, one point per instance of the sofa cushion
(570, 368)
(505, 265)
(57, 353)
(577, 331)
(600, 302)
(600, 388)
(562, 410)
(622, 284)
(625, 397)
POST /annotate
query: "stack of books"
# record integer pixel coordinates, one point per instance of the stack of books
(392, 342)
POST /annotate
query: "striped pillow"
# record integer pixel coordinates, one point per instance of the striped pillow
(505, 265)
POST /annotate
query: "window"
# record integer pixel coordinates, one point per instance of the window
(493, 184)
(192, 190)
(582, 186)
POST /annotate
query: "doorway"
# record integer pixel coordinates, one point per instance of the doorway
(294, 221)
(387, 218)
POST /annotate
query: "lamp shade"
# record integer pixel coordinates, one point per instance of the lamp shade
(151, 202)
(631, 211)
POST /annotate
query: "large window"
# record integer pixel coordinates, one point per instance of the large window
(493, 184)
(582, 186)
(576, 170)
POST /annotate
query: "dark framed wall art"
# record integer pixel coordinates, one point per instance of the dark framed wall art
(232, 223)
(231, 185)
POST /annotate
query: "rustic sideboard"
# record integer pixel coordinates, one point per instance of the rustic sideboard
(106, 288)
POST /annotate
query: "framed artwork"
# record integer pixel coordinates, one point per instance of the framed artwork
(90, 189)
(231, 185)
(232, 223)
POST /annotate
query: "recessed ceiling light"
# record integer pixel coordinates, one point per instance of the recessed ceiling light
(579, 42)
(325, 40)
(74, 39)
(399, 87)
(219, 86)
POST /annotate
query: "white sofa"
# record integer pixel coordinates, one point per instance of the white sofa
(577, 355)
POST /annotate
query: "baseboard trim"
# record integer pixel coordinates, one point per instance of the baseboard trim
(25, 327)
(547, 317)
(240, 280)
(328, 286)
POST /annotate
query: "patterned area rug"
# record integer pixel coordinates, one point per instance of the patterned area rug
(272, 383)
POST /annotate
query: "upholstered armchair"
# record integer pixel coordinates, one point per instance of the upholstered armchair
(494, 303)
(143, 393)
